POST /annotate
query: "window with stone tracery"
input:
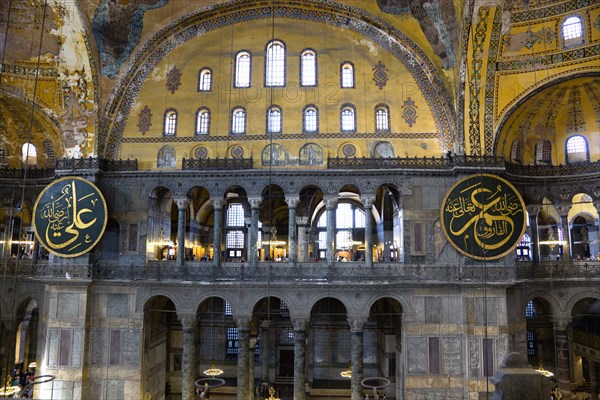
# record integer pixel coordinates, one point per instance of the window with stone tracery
(275, 64)
(308, 68)
(243, 69)
(205, 80)
(577, 149)
(572, 31)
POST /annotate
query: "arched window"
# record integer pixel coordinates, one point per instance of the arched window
(202, 121)
(275, 64)
(205, 80)
(572, 31)
(516, 152)
(49, 152)
(274, 119)
(242, 69)
(170, 125)
(347, 75)
(235, 237)
(382, 118)
(308, 68)
(28, 154)
(310, 121)
(543, 151)
(577, 149)
(348, 118)
(3, 155)
(166, 157)
(238, 121)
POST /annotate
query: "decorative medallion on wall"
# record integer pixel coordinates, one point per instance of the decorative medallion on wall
(380, 75)
(483, 217)
(349, 150)
(173, 79)
(145, 120)
(237, 152)
(409, 112)
(201, 153)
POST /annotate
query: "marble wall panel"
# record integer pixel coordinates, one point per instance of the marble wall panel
(53, 347)
(474, 358)
(430, 199)
(132, 348)
(417, 354)
(98, 346)
(117, 305)
(452, 356)
(77, 349)
(114, 389)
(433, 310)
(68, 305)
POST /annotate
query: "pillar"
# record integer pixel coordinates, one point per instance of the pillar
(563, 211)
(533, 211)
(356, 331)
(243, 325)
(188, 357)
(561, 345)
(292, 202)
(300, 335)
(7, 351)
(330, 206)
(367, 201)
(301, 223)
(218, 207)
(265, 349)
(251, 348)
(254, 213)
(593, 369)
(181, 209)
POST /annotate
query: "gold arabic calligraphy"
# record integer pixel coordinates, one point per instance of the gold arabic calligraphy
(66, 217)
(489, 215)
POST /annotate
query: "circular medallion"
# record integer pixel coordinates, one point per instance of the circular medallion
(237, 152)
(201, 153)
(349, 150)
(483, 217)
(69, 216)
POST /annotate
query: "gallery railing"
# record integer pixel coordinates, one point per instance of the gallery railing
(216, 163)
(29, 173)
(447, 162)
(554, 170)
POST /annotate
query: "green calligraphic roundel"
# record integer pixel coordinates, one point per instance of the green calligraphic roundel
(69, 216)
(483, 217)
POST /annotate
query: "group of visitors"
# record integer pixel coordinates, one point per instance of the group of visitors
(21, 379)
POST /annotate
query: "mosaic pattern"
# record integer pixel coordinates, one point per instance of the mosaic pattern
(475, 84)
(555, 105)
(546, 36)
(237, 152)
(173, 79)
(311, 154)
(144, 120)
(349, 150)
(201, 153)
(380, 75)
(343, 16)
(594, 95)
(549, 60)
(409, 112)
(597, 23)
(489, 89)
(575, 121)
(550, 11)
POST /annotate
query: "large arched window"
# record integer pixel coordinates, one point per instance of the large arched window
(572, 31)
(235, 236)
(242, 69)
(205, 80)
(347, 75)
(238, 121)
(275, 64)
(170, 125)
(577, 149)
(543, 151)
(310, 122)
(382, 118)
(274, 119)
(516, 151)
(202, 121)
(28, 154)
(308, 68)
(348, 118)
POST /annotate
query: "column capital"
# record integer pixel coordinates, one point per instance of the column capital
(292, 200)
(243, 321)
(188, 321)
(357, 323)
(330, 201)
(533, 209)
(300, 324)
(218, 202)
(561, 323)
(563, 208)
(302, 221)
(252, 342)
(367, 199)
(255, 201)
(181, 202)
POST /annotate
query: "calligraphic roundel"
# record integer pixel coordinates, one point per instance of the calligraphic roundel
(69, 216)
(483, 217)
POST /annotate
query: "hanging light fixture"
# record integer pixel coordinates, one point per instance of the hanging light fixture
(213, 370)
(544, 372)
(272, 394)
(347, 373)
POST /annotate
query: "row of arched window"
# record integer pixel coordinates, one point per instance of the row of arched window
(576, 150)
(274, 120)
(275, 69)
(29, 154)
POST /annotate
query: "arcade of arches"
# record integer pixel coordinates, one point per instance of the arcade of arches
(274, 172)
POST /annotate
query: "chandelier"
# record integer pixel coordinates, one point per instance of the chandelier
(213, 370)
(348, 372)
(544, 372)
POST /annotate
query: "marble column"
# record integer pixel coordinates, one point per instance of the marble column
(265, 350)
(302, 222)
(217, 233)
(367, 200)
(533, 211)
(251, 347)
(255, 203)
(330, 206)
(182, 204)
(300, 335)
(563, 211)
(188, 357)
(243, 325)
(292, 202)
(7, 351)
(356, 331)
(561, 344)
(593, 370)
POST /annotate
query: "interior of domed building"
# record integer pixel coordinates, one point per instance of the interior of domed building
(254, 199)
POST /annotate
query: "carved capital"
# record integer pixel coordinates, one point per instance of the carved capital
(255, 201)
(292, 200)
(300, 324)
(182, 202)
(188, 321)
(252, 342)
(302, 221)
(330, 201)
(243, 321)
(533, 209)
(218, 203)
(563, 208)
(367, 200)
(561, 323)
(357, 323)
